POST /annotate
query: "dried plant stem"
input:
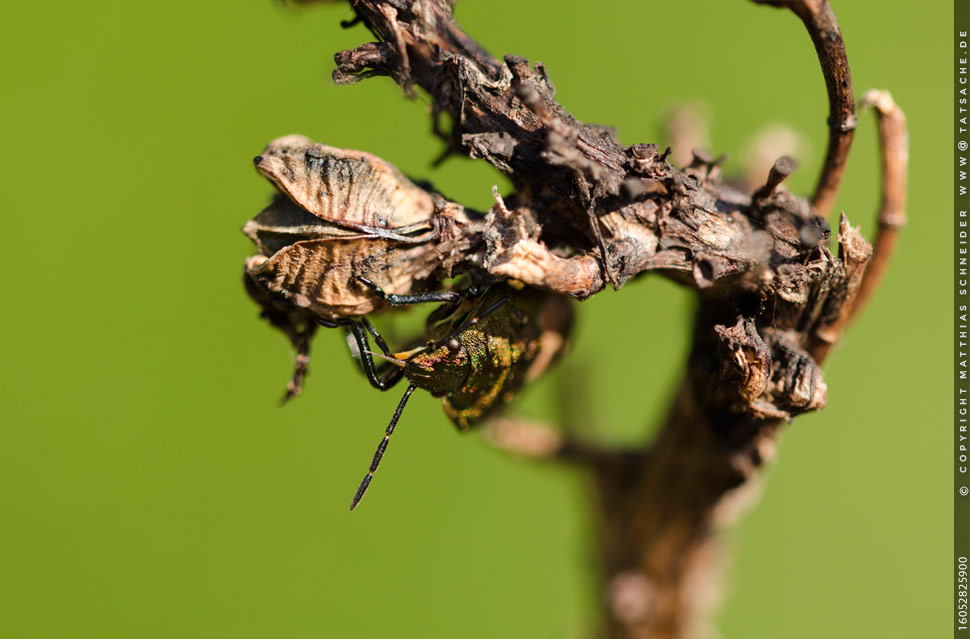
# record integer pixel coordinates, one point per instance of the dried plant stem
(819, 20)
(894, 143)
(587, 210)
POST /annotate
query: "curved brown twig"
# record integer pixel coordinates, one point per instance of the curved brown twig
(824, 30)
(894, 143)
(865, 264)
(536, 440)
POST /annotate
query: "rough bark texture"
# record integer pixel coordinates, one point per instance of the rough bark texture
(587, 211)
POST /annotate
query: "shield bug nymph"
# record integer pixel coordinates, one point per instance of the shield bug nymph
(479, 355)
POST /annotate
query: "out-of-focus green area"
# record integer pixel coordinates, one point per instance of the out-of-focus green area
(151, 486)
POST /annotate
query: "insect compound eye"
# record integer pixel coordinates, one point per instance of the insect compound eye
(453, 345)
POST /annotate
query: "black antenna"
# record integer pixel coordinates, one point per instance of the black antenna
(379, 453)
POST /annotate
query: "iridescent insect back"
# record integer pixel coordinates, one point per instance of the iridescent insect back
(479, 355)
(347, 235)
(496, 351)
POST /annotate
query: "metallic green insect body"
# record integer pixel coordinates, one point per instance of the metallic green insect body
(479, 355)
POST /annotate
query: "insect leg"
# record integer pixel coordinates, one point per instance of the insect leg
(377, 336)
(345, 324)
(334, 323)
(403, 300)
(379, 453)
(381, 379)
(388, 372)
(385, 377)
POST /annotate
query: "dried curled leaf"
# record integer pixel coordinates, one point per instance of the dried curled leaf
(321, 275)
(349, 188)
(283, 223)
(344, 215)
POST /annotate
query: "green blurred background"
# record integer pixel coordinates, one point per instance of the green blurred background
(151, 486)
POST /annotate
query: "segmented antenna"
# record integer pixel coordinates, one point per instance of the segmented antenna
(379, 453)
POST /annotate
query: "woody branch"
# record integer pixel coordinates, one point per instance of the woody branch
(586, 211)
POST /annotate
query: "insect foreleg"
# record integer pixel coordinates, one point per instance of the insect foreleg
(404, 300)
(382, 378)
(377, 336)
